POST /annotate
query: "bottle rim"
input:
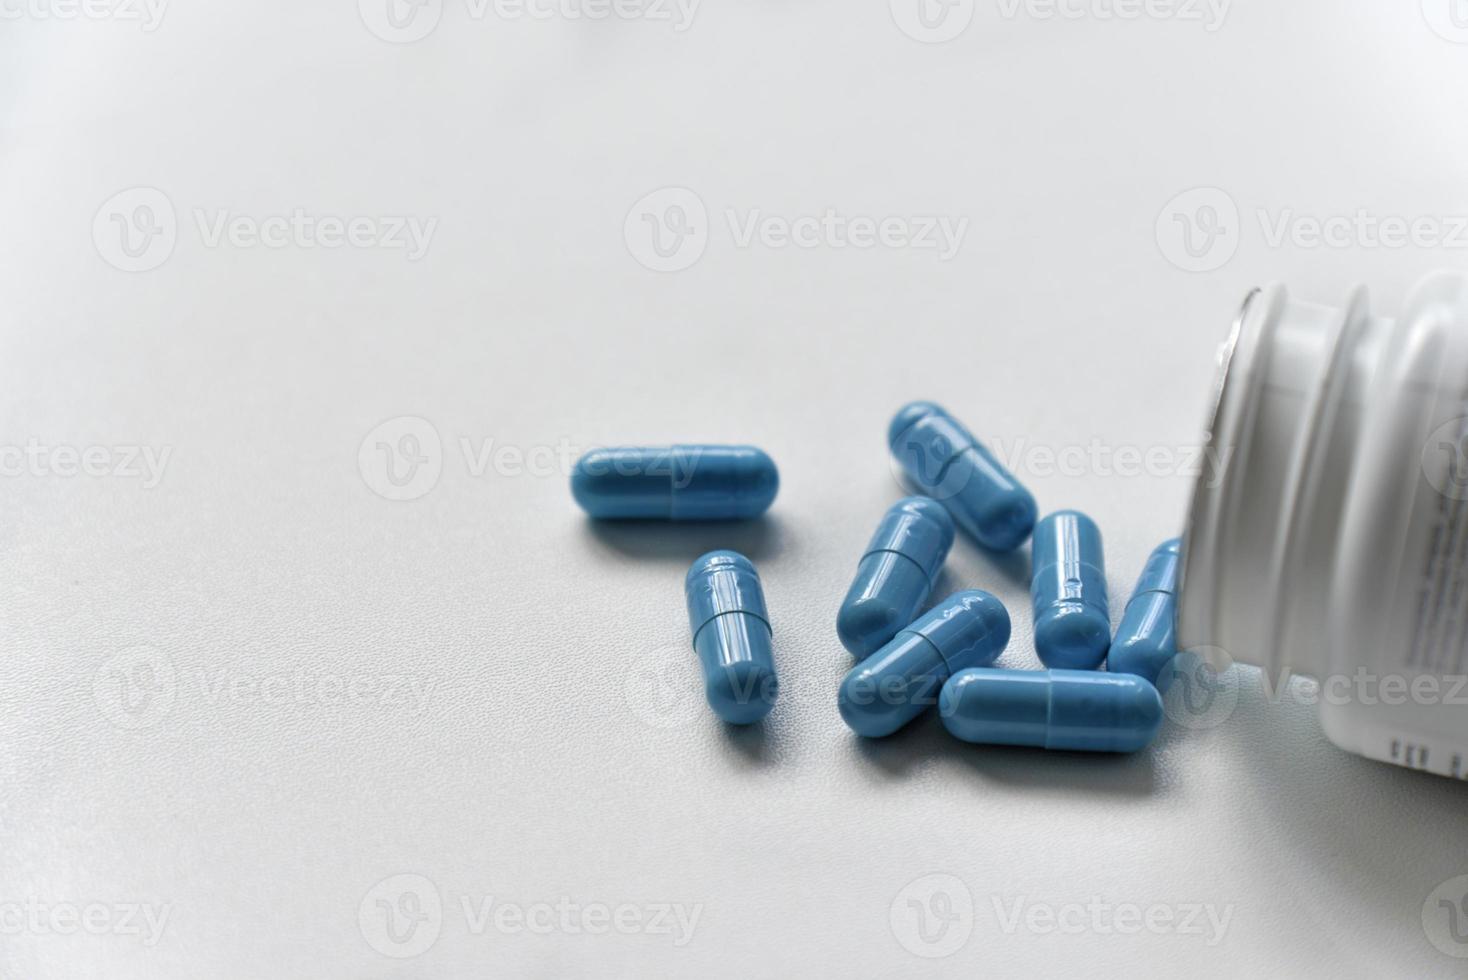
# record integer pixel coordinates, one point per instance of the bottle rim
(1220, 436)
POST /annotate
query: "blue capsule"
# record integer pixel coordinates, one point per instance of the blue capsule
(1053, 709)
(1146, 640)
(731, 635)
(1072, 619)
(676, 483)
(943, 460)
(895, 574)
(893, 686)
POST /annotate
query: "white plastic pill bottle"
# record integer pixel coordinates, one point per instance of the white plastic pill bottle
(1331, 538)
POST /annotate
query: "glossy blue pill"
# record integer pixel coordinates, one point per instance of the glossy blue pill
(943, 460)
(1072, 619)
(894, 685)
(1052, 709)
(731, 635)
(1146, 640)
(895, 574)
(675, 483)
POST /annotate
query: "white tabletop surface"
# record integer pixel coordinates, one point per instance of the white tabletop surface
(259, 719)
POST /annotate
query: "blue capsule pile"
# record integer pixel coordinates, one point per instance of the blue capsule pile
(907, 661)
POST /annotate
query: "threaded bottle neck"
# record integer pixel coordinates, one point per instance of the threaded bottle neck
(1263, 526)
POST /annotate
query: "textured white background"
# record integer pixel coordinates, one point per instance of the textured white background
(253, 692)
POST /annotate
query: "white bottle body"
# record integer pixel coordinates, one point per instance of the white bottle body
(1333, 540)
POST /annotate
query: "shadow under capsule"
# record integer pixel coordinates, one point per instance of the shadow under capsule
(751, 745)
(684, 541)
(1132, 774)
(946, 583)
(1012, 565)
(913, 747)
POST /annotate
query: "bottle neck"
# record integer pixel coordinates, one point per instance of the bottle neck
(1263, 524)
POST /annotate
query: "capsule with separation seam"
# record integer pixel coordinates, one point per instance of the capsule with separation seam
(894, 685)
(675, 483)
(895, 574)
(1146, 639)
(1068, 588)
(1085, 710)
(731, 635)
(943, 460)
